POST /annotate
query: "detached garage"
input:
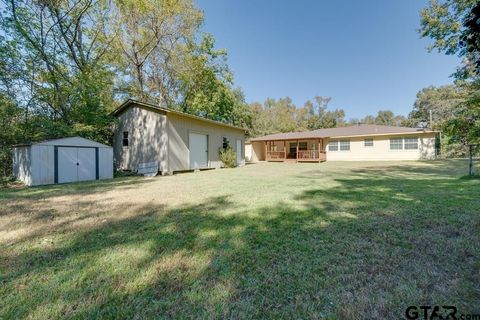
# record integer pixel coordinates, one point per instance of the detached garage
(61, 161)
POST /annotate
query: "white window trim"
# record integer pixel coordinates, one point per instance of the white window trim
(403, 145)
(349, 145)
(365, 146)
(337, 143)
(128, 139)
(390, 145)
(412, 150)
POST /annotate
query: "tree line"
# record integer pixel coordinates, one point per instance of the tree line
(66, 64)
(282, 115)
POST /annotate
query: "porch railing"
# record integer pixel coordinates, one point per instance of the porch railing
(311, 155)
(276, 155)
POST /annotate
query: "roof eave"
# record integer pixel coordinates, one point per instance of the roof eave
(130, 102)
(343, 136)
(381, 134)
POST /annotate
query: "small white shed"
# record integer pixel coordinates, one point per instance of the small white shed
(61, 161)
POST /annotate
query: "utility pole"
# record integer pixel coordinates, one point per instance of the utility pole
(431, 119)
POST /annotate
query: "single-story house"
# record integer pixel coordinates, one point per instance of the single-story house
(360, 142)
(151, 135)
(62, 160)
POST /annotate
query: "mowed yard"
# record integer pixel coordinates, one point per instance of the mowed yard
(330, 240)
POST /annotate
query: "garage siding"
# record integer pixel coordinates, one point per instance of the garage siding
(147, 137)
(255, 151)
(179, 128)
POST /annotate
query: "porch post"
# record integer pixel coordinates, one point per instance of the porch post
(266, 149)
(297, 150)
(285, 149)
(318, 150)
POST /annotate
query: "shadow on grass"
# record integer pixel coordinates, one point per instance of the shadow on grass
(366, 248)
(82, 188)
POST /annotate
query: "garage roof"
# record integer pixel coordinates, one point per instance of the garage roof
(131, 102)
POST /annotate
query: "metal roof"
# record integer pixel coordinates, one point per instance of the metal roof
(63, 141)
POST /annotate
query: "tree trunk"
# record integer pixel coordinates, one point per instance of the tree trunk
(470, 160)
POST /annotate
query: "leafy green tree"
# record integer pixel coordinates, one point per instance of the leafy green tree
(454, 27)
(153, 41)
(61, 49)
(441, 101)
(273, 116)
(283, 116)
(384, 117)
(11, 133)
(368, 120)
(464, 125)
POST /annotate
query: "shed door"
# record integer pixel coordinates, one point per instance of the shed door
(76, 164)
(67, 164)
(86, 164)
(198, 150)
(239, 151)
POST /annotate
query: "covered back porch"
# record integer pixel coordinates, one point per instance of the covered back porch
(304, 150)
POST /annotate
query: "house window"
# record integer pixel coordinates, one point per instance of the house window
(368, 143)
(302, 146)
(292, 148)
(344, 145)
(396, 144)
(125, 139)
(225, 143)
(333, 145)
(411, 143)
(273, 146)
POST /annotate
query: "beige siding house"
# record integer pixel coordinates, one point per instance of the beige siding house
(149, 135)
(352, 143)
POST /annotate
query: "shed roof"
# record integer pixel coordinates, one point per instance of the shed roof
(131, 102)
(67, 141)
(350, 131)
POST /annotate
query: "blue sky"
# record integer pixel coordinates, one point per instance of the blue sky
(366, 55)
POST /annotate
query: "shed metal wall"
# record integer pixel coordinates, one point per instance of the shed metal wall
(22, 170)
(43, 164)
(35, 164)
(105, 163)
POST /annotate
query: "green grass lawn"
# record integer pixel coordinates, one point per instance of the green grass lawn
(330, 240)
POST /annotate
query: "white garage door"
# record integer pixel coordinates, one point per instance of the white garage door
(198, 150)
(239, 152)
(76, 164)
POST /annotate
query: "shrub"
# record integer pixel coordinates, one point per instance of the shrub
(228, 157)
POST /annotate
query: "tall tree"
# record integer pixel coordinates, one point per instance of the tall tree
(470, 38)
(454, 27)
(152, 40)
(440, 101)
(61, 47)
(283, 116)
